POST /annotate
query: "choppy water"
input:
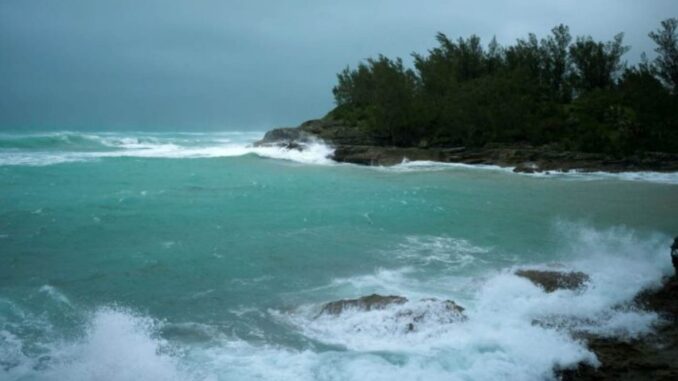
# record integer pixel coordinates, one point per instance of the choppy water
(197, 257)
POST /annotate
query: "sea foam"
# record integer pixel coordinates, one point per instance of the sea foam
(512, 328)
(59, 148)
(42, 149)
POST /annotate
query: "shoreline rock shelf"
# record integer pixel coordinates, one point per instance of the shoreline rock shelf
(352, 145)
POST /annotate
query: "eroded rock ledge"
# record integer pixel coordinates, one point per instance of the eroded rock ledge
(352, 145)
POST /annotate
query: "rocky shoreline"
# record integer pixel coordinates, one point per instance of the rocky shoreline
(351, 145)
(652, 357)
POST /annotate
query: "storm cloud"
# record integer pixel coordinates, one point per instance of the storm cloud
(205, 64)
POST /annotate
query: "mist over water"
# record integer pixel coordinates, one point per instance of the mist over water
(196, 256)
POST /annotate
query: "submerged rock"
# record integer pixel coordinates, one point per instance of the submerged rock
(366, 303)
(551, 281)
(440, 311)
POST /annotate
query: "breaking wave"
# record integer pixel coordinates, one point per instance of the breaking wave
(641, 176)
(502, 309)
(68, 147)
(511, 328)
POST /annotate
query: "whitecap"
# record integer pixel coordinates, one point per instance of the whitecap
(448, 251)
(118, 345)
(315, 152)
(55, 294)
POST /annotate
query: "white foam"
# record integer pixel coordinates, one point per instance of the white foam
(639, 176)
(514, 328)
(118, 345)
(55, 294)
(177, 146)
(435, 250)
(427, 166)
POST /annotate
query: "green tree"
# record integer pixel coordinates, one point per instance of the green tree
(667, 52)
(556, 64)
(579, 95)
(596, 64)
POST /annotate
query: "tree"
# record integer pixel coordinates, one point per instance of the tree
(556, 62)
(494, 56)
(667, 52)
(577, 95)
(525, 56)
(597, 64)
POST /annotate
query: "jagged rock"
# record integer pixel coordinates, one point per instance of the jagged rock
(408, 316)
(338, 132)
(367, 303)
(555, 280)
(651, 357)
(286, 137)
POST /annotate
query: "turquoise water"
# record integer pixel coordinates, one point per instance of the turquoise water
(196, 256)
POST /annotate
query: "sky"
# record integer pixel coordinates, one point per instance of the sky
(246, 65)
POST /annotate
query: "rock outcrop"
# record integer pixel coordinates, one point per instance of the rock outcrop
(649, 358)
(353, 144)
(551, 281)
(406, 315)
(365, 303)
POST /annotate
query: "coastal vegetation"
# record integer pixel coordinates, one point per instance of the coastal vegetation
(571, 93)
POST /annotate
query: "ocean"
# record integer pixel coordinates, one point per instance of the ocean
(195, 256)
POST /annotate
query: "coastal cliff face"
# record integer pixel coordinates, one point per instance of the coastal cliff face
(353, 145)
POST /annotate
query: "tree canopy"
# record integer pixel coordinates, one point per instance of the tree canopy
(577, 93)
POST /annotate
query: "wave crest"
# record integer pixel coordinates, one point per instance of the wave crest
(67, 147)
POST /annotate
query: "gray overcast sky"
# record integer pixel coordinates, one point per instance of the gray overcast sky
(231, 64)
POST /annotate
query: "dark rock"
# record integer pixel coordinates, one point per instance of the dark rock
(374, 155)
(674, 254)
(366, 303)
(440, 311)
(284, 136)
(555, 280)
(649, 358)
(338, 132)
(407, 316)
(526, 167)
(354, 144)
(294, 145)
